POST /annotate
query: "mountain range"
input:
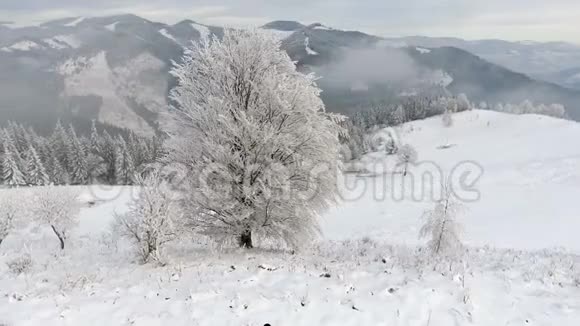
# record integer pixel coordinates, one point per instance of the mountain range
(116, 69)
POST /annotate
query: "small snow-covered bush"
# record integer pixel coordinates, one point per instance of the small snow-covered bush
(406, 155)
(384, 140)
(58, 207)
(20, 265)
(152, 219)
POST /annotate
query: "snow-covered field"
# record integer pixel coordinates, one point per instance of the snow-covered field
(522, 265)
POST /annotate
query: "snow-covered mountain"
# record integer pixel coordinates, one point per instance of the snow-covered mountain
(541, 60)
(358, 68)
(568, 77)
(112, 69)
(115, 70)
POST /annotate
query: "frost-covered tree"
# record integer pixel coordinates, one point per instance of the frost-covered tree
(36, 173)
(125, 168)
(462, 103)
(69, 158)
(254, 137)
(77, 159)
(10, 201)
(58, 207)
(108, 152)
(384, 140)
(528, 107)
(12, 174)
(95, 138)
(399, 116)
(355, 140)
(406, 155)
(60, 144)
(58, 175)
(441, 227)
(153, 218)
(447, 118)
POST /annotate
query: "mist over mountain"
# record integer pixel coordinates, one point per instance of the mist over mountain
(116, 69)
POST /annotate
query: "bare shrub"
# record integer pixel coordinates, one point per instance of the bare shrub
(20, 265)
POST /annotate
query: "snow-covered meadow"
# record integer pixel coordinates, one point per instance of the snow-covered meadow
(369, 267)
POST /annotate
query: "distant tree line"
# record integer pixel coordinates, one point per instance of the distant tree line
(64, 157)
(528, 107)
(366, 121)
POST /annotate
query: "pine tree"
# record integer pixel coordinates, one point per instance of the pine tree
(11, 173)
(13, 167)
(58, 175)
(77, 158)
(109, 153)
(60, 144)
(36, 173)
(125, 167)
(95, 140)
(136, 150)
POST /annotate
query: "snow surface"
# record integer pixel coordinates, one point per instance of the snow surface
(112, 27)
(322, 27)
(365, 270)
(75, 22)
(423, 50)
(281, 35)
(70, 40)
(22, 46)
(202, 29)
(54, 44)
(309, 51)
(531, 177)
(165, 33)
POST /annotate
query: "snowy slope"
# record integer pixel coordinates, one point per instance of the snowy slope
(528, 190)
(203, 30)
(366, 270)
(93, 76)
(22, 46)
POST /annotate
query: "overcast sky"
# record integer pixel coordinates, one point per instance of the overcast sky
(539, 20)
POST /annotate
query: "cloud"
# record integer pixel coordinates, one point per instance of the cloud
(369, 66)
(514, 19)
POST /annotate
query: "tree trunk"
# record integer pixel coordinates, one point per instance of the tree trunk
(405, 171)
(245, 239)
(1, 241)
(60, 237)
